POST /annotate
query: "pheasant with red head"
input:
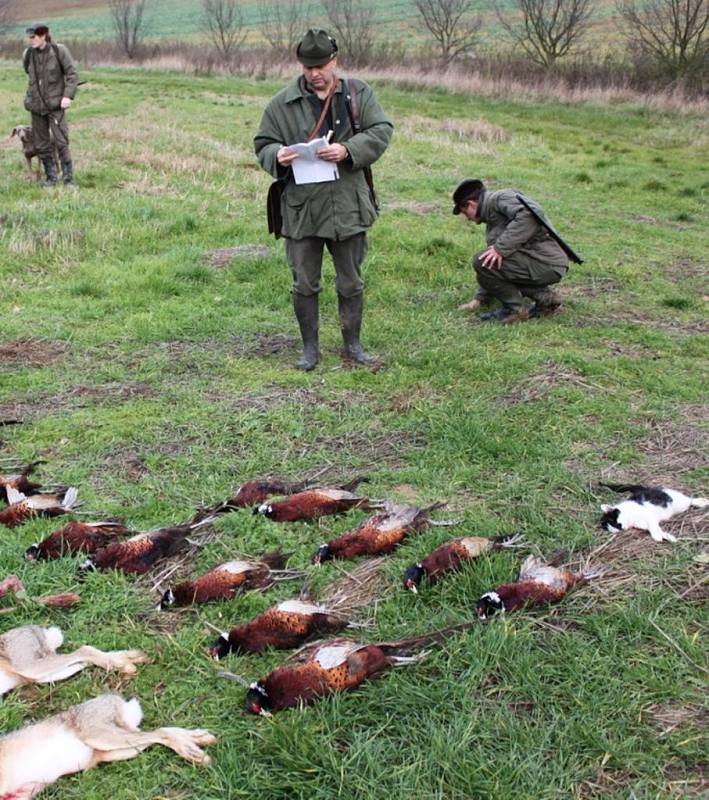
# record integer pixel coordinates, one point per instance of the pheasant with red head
(76, 537)
(378, 535)
(451, 557)
(334, 666)
(226, 580)
(23, 508)
(314, 503)
(141, 552)
(20, 480)
(539, 583)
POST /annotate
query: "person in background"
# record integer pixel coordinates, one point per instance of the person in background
(336, 213)
(525, 257)
(53, 80)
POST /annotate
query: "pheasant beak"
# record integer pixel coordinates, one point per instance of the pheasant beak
(411, 586)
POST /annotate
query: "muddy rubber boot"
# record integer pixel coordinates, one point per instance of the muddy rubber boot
(351, 309)
(307, 312)
(68, 173)
(50, 170)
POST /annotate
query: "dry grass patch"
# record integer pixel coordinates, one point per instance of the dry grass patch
(685, 782)
(462, 128)
(383, 450)
(671, 448)
(223, 257)
(603, 783)
(543, 383)
(667, 717)
(592, 288)
(31, 352)
(412, 206)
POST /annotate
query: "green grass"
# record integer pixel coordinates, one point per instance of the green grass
(157, 401)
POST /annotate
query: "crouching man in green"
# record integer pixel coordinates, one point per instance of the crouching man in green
(525, 256)
(335, 213)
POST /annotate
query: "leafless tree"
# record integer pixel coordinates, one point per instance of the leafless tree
(282, 22)
(129, 24)
(671, 33)
(451, 24)
(7, 14)
(548, 29)
(224, 22)
(352, 23)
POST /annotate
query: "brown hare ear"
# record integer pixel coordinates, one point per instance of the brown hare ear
(15, 131)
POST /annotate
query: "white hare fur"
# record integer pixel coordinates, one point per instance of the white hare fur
(101, 730)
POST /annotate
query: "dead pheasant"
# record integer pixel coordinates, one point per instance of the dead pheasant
(451, 557)
(314, 503)
(20, 480)
(28, 655)
(294, 622)
(76, 537)
(23, 508)
(226, 580)
(253, 493)
(285, 626)
(378, 535)
(539, 583)
(101, 730)
(334, 666)
(140, 553)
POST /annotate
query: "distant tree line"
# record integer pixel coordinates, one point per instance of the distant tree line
(665, 41)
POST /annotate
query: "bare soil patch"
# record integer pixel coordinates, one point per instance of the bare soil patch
(686, 268)
(223, 257)
(31, 352)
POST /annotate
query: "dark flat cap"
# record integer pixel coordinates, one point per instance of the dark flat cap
(35, 26)
(317, 47)
(466, 190)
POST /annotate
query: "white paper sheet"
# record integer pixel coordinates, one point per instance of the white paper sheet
(308, 168)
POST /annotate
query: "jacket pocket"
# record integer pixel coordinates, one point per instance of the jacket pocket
(367, 209)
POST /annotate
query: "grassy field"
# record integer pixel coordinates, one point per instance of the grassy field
(156, 378)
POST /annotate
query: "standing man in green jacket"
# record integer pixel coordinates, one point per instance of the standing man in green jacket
(525, 256)
(336, 213)
(53, 80)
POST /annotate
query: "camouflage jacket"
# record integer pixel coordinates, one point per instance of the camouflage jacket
(52, 75)
(336, 209)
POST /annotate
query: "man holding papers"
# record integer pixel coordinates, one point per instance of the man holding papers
(318, 138)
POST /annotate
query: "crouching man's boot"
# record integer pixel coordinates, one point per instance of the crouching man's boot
(351, 324)
(68, 172)
(50, 170)
(307, 312)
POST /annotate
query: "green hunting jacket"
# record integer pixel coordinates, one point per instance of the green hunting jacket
(336, 209)
(511, 228)
(52, 75)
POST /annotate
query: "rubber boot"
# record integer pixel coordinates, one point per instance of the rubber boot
(50, 170)
(351, 324)
(307, 313)
(68, 172)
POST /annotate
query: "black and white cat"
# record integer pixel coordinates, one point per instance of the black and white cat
(646, 508)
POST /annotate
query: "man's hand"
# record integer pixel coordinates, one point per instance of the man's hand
(333, 152)
(285, 156)
(491, 259)
(65, 103)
